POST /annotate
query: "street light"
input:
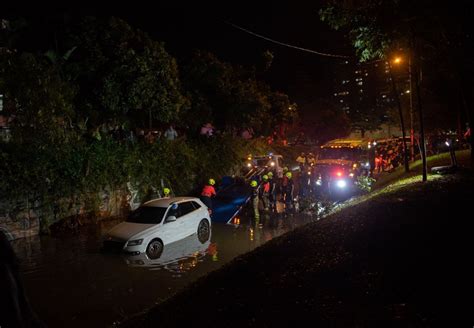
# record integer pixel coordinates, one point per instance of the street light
(397, 98)
(398, 60)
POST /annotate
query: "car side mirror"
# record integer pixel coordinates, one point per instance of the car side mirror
(171, 218)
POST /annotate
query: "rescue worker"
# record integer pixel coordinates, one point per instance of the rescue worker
(301, 160)
(166, 192)
(311, 159)
(207, 193)
(288, 190)
(265, 193)
(255, 191)
(304, 182)
(273, 191)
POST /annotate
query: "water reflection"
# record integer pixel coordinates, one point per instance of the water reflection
(177, 257)
(60, 273)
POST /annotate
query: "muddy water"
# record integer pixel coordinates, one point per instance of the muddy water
(71, 283)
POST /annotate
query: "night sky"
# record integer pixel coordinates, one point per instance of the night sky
(304, 76)
(301, 74)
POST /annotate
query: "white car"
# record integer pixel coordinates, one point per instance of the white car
(157, 223)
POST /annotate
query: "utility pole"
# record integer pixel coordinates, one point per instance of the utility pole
(420, 112)
(412, 123)
(400, 113)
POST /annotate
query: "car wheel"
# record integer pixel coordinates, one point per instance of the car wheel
(154, 249)
(203, 231)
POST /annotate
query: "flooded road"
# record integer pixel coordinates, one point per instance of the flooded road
(71, 283)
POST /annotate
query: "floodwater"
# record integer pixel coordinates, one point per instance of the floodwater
(71, 283)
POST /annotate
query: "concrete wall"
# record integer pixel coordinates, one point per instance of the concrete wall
(27, 223)
(24, 224)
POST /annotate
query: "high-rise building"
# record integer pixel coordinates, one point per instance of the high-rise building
(363, 91)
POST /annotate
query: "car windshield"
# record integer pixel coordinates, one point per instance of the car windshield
(339, 153)
(147, 215)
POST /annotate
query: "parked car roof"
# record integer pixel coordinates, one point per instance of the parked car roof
(165, 202)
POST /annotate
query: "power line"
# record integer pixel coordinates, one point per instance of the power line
(285, 44)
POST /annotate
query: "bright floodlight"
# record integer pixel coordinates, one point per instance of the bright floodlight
(341, 183)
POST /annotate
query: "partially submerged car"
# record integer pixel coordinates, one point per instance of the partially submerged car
(157, 223)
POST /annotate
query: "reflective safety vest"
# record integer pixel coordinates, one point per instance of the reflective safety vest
(208, 191)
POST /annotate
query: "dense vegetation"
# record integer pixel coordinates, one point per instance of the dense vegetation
(74, 115)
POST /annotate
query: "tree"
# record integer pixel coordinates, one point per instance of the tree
(39, 102)
(376, 28)
(324, 121)
(122, 74)
(231, 97)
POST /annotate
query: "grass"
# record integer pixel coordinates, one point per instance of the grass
(398, 179)
(442, 159)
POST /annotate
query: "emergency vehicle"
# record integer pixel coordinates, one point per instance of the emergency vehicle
(340, 162)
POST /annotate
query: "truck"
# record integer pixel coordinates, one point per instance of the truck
(270, 162)
(341, 162)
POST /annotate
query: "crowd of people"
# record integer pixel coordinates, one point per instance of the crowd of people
(388, 155)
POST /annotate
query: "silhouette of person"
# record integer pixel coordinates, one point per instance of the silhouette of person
(14, 306)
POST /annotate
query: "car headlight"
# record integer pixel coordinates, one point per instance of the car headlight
(135, 242)
(341, 183)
